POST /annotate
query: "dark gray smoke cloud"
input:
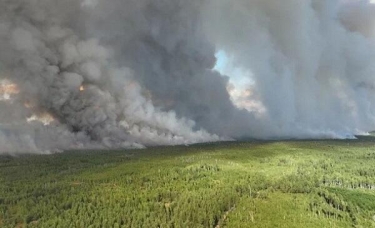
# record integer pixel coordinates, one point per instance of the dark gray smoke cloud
(62, 70)
(134, 73)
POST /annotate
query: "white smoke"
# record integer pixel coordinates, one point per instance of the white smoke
(313, 61)
(125, 74)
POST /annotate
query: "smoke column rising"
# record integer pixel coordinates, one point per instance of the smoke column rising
(129, 74)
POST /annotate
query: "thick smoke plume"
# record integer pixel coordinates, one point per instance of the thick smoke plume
(134, 73)
(312, 62)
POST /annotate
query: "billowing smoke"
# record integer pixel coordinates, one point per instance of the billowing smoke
(134, 73)
(94, 100)
(312, 62)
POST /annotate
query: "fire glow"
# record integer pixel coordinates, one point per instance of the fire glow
(7, 90)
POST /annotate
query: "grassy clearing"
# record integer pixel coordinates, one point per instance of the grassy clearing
(324, 183)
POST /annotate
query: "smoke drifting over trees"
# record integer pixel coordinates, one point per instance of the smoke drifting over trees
(125, 74)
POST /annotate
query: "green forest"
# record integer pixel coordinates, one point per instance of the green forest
(321, 183)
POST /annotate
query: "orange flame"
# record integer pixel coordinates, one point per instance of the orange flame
(7, 89)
